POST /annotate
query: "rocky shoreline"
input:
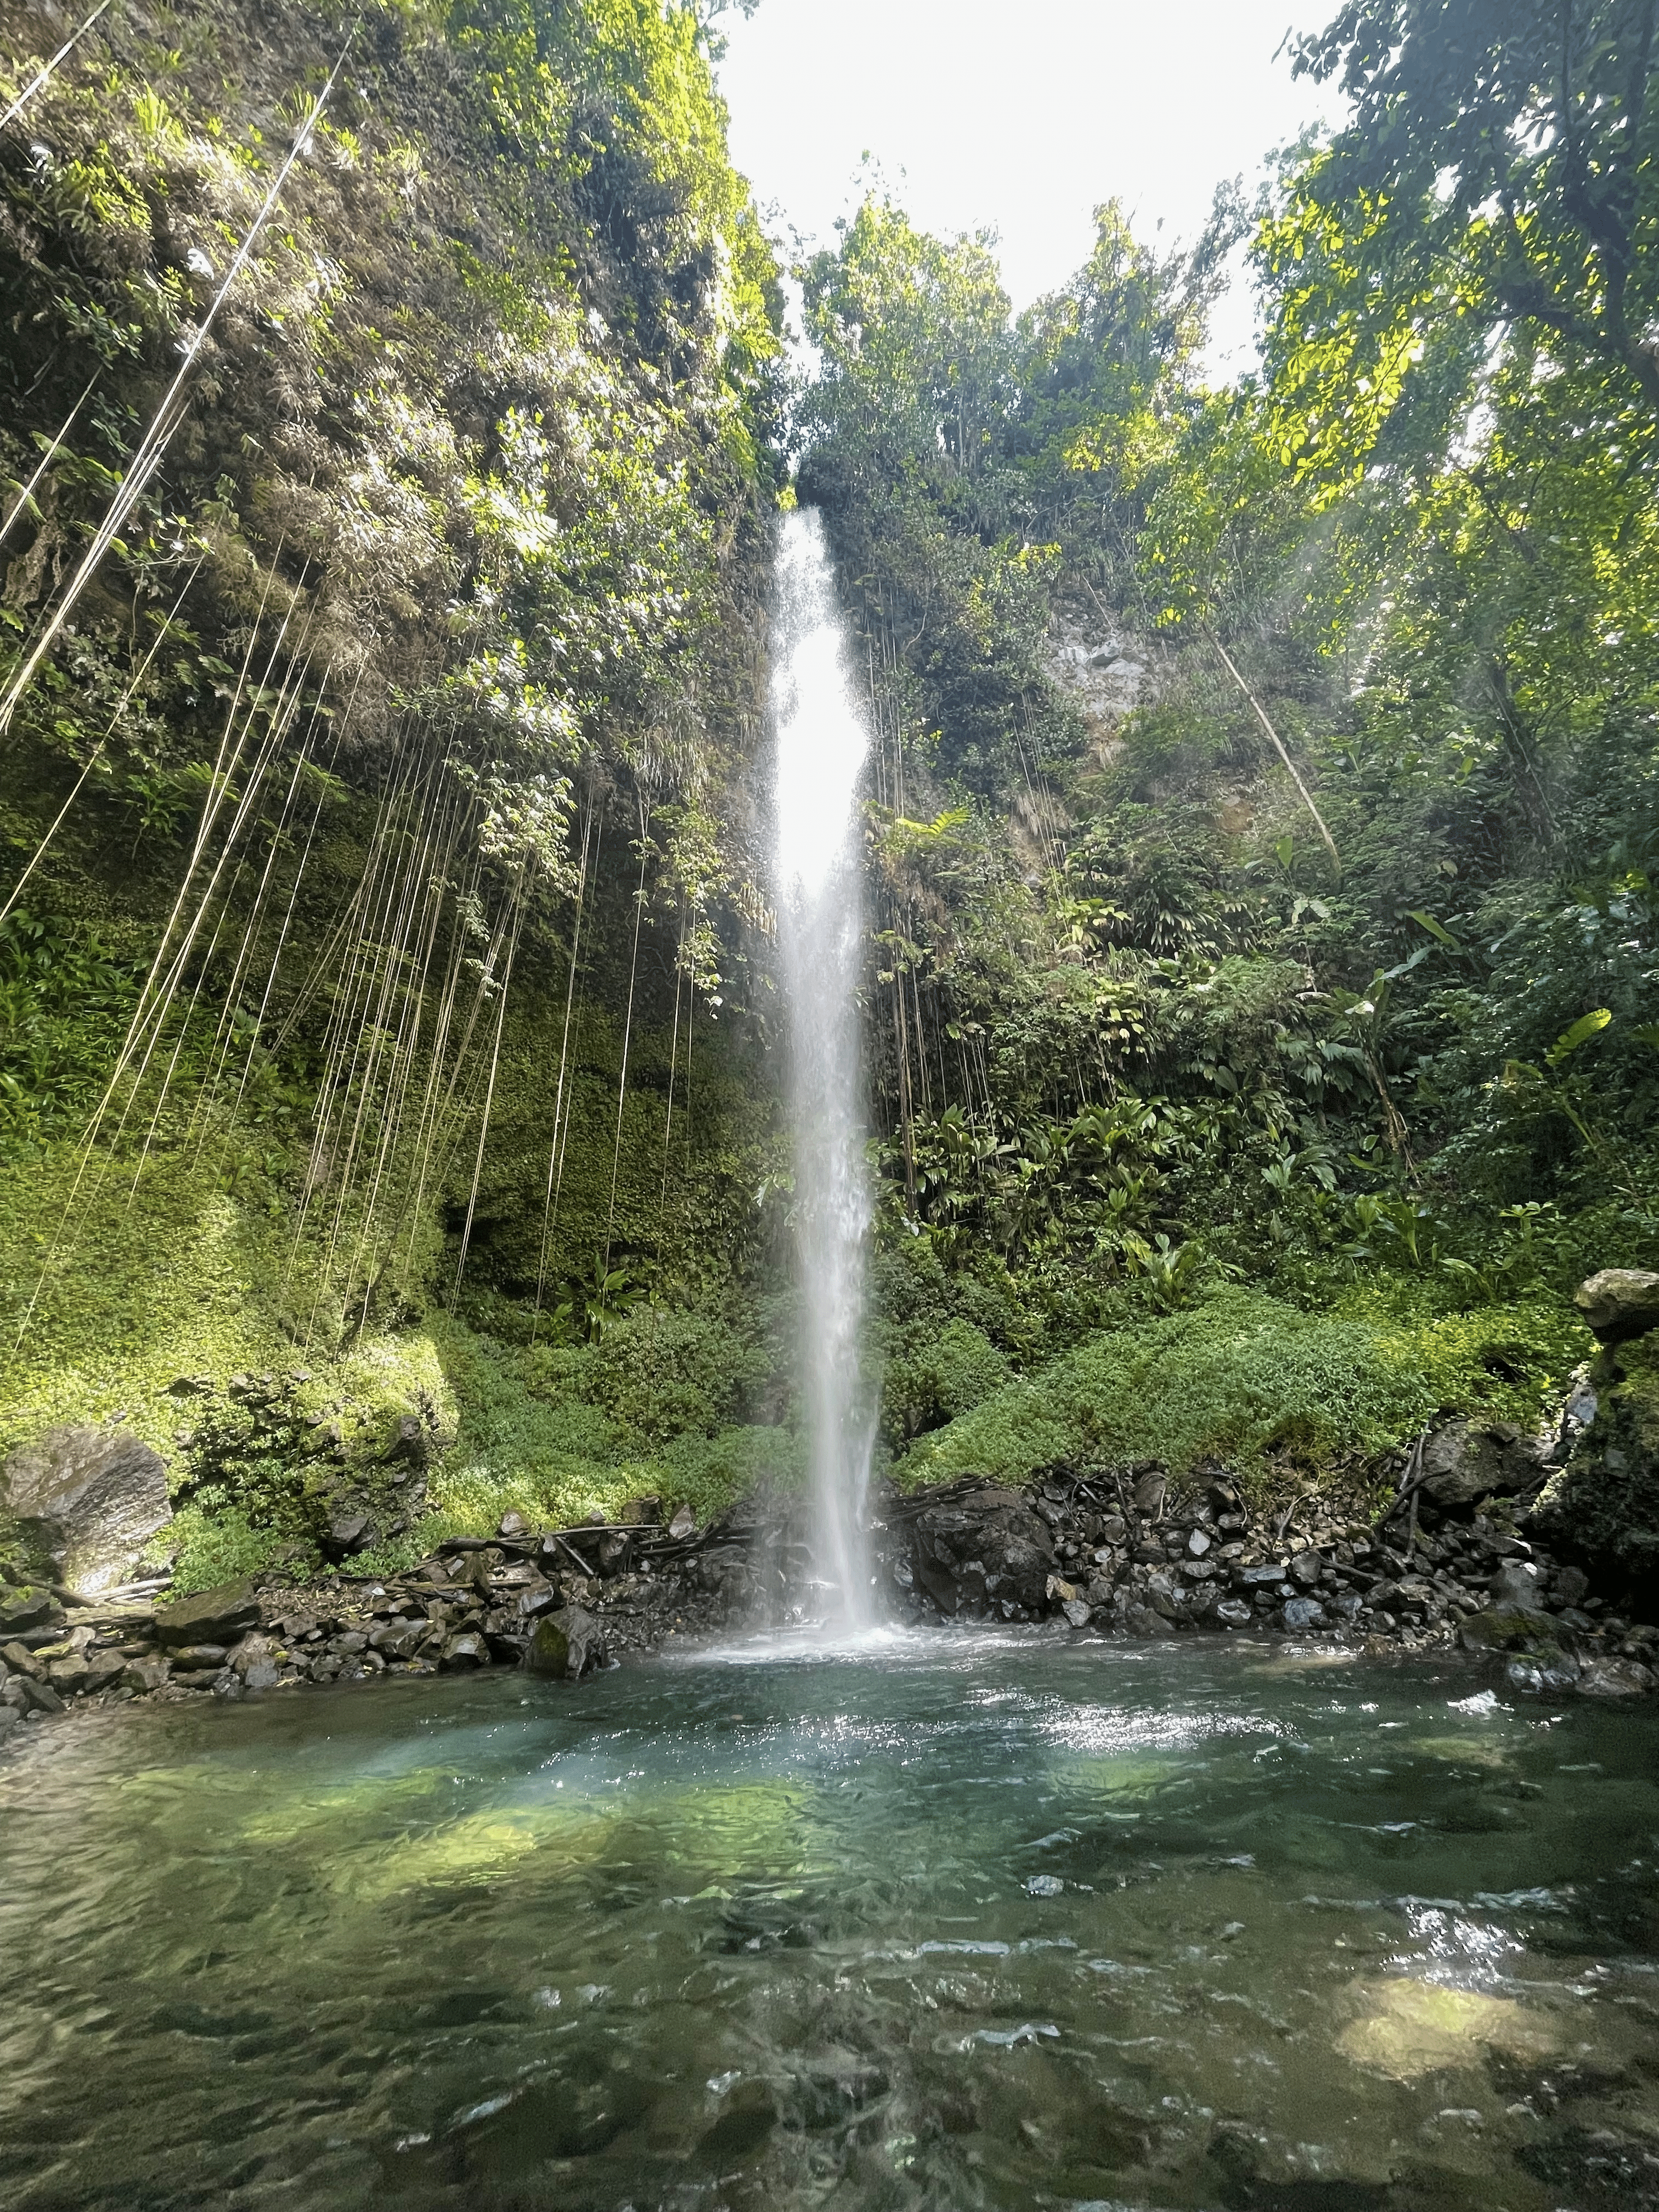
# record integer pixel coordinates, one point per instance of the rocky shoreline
(1123, 1556)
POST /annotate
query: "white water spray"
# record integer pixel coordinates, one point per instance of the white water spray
(822, 742)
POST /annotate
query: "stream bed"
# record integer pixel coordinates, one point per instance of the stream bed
(951, 1920)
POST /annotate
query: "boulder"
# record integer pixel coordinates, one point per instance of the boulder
(564, 1645)
(1515, 1628)
(684, 1524)
(466, 1648)
(348, 1531)
(1301, 1614)
(1462, 1463)
(398, 1639)
(1516, 1584)
(214, 1616)
(983, 1549)
(93, 1496)
(1619, 1303)
(25, 1607)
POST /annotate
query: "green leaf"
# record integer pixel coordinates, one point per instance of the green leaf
(1586, 1026)
(1436, 930)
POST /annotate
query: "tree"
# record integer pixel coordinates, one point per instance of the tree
(1495, 177)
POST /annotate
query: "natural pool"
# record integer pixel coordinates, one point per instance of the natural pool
(965, 1921)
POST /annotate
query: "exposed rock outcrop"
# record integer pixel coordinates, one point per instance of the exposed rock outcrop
(92, 1499)
(1602, 1507)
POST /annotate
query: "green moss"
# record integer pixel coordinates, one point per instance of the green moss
(1239, 1376)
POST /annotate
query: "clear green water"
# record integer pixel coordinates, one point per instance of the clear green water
(720, 1934)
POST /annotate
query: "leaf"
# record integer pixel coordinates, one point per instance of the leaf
(1587, 1026)
(1436, 930)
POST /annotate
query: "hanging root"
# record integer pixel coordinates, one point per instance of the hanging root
(152, 447)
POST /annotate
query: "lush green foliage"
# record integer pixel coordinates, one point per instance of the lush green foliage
(1242, 1380)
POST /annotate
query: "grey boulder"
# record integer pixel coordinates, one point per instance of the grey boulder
(93, 1496)
(1619, 1303)
(1463, 1464)
(214, 1616)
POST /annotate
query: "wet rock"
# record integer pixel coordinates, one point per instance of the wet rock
(145, 1675)
(1304, 1569)
(20, 1660)
(1233, 1612)
(987, 1546)
(563, 1645)
(466, 1648)
(1513, 1628)
(1614, 1678)
(68, 1676)
(1077, 1613)
(199, 1658)
(1619, 1303)
(1301, 1614)
(93, 1496)
(684, 1524)
(216, 1616)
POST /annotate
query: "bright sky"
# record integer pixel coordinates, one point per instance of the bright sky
(1020, 117)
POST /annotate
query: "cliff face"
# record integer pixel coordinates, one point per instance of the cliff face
(388, 412)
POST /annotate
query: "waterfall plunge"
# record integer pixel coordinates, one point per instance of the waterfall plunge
(822, 742)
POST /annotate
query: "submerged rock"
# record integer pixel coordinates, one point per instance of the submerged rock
(93, 1497)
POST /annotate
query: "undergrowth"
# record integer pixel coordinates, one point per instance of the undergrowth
(1239, 1376)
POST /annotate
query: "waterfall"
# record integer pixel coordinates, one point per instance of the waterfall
(822, 742)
